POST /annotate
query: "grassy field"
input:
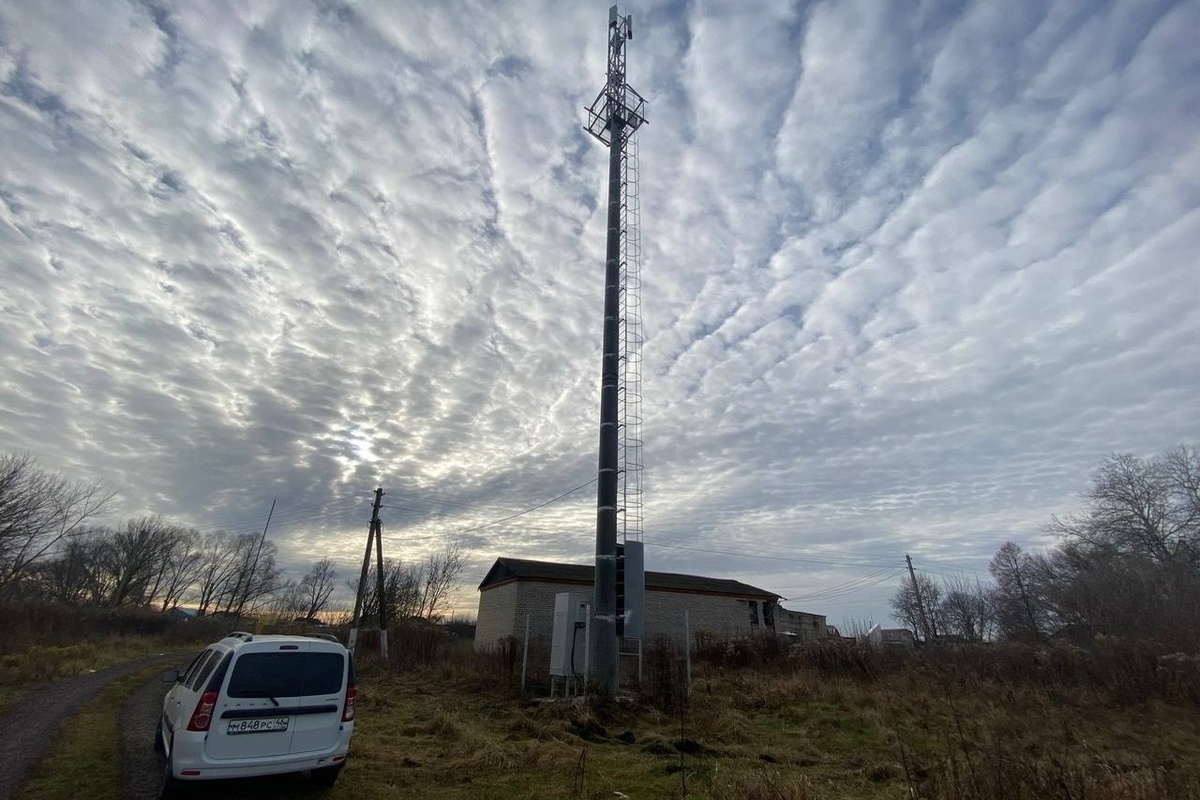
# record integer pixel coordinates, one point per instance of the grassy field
(42, 664)
(1002, 722)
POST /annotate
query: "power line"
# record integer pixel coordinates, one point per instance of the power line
(847, 590)
(771, 556)
(521, 513)
(290, 514)
(852, 586)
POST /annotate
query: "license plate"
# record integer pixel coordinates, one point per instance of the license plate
(263, 725)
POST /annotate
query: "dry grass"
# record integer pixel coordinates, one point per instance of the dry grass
(982, 726)
(999, 723)
(47, 643)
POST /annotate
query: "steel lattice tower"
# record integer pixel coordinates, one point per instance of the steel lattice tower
(613, 118)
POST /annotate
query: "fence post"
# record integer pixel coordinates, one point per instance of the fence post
(687, 650)
(525, 654)
(587, 647)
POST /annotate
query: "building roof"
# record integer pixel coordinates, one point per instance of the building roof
(517, 569)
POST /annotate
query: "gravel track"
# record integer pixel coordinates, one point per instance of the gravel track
(139, 716)
(30, 730)
(31, 726)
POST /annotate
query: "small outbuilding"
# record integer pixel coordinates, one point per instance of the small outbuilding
(891, 637)
(516, 587)
(800, 626)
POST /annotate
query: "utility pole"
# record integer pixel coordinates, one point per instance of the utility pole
(355, 621)
(615, 114)
(242, 594)
(920, 603)
(383, 630)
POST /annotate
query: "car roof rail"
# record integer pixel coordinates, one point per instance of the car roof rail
(243, 635)
(327, 636)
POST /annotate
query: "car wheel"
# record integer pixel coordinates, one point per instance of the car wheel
(158, 744)
(325, 776)
(170, 784)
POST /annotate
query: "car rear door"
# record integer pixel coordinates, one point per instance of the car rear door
(319, 720)
(253, 717)
(279, 698)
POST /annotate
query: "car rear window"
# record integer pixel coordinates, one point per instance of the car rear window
(204, 670)
(186, 677)
(287, 674)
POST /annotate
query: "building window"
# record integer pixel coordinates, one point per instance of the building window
(769, 613)
(753, 613)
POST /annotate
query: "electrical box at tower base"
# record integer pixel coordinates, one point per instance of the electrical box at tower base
(568, 647)
(633, 590)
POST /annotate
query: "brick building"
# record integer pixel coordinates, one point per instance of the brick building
(514, 587)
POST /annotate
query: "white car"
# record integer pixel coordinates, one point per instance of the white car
(252, 705)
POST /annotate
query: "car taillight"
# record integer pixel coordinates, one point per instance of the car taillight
(348, 709)
(202, 716)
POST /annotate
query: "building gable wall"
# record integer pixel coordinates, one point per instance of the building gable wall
(497, 612)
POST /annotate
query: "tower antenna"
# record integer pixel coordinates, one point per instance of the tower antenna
(613, 118)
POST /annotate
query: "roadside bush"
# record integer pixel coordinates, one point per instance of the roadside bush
(740, 652)
(837, 657)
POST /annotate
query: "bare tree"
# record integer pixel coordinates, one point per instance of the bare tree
(137, 553)
(1016, 597)
(441, 572)
(286, 601)
(40, 509)
(260, 580)
(1142, 507)
(216, 571)
(401, 590)
(179, 569)
(75, 575)
(1180, 468)
(965, 610)
(906, 606)
(1129, 563)
(420, 590)
(315, 588)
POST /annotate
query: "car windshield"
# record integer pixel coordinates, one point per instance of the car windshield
(287, 674)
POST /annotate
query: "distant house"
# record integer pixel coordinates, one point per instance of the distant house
(891, 637)
(514, 587)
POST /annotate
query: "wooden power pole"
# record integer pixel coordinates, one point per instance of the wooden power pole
(373, 537)
(377, 525)
(920, 603)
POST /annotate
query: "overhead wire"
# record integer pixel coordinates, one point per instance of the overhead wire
(284, 515)
(771, 556)
(849, 587)
(515, 515)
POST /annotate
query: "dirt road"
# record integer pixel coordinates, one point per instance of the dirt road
(30, 728)
(139, 715)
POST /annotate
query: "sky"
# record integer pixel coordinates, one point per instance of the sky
(911, 270)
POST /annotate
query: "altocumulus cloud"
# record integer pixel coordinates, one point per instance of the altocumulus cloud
(912, 269)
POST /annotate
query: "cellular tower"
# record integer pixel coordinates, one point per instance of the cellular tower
(614, 119)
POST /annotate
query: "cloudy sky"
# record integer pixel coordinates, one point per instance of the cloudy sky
(911, 270)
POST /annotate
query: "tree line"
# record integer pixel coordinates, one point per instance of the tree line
(52, 548)
(1127, 564)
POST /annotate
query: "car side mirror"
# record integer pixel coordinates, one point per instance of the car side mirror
(170, 676)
